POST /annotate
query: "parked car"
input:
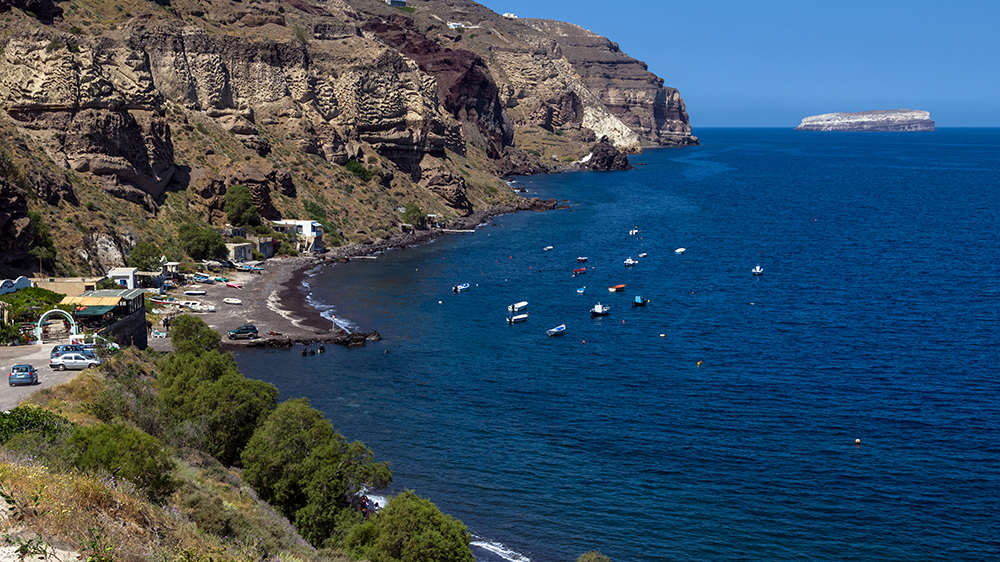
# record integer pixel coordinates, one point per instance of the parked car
(71, 348)
(22, 374)
(73, 360)
(248, 331)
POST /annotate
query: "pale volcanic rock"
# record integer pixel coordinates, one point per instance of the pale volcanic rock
(882, 120)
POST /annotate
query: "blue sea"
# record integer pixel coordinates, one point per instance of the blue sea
(720, 421)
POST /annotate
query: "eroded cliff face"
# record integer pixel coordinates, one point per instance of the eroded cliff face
(278, 96)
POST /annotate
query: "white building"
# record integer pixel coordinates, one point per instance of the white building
(123, 276)
(310, 233)
(510, 16)
(240, 252)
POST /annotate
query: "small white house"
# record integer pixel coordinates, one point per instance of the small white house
(510, 16)
(310, 233)
(123, 277)
(240, 252)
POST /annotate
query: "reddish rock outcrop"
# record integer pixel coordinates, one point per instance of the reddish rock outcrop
(604, 157)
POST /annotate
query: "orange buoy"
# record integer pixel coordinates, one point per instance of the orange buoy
(857, 441)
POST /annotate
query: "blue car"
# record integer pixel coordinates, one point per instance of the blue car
(22, 374)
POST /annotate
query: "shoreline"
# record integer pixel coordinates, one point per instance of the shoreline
(273, 299)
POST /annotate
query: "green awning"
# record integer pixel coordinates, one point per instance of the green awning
(94, 311)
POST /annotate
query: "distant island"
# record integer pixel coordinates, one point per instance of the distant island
(882, 120)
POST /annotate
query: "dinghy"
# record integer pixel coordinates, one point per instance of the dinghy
(557, 331)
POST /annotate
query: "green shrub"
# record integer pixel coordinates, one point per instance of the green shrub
(145, 256)
(54, 44)
(125, 452)
(239, 207)
(413, 215)
(301, 34)
(26, 418)
(359, 171)
(410, 528)
(75, 30)
(201, 243)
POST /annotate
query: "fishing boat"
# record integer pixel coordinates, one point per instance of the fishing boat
(517, 306)
(582, 259)
(600, 310)
(630, 262)
(234, 285)
(639, 301)
(616, 288)
(581, 290)
(462, 287)
(194, 293)
(642, 255)
(580, 271)
(679, 250)
(517, 318)
(232, 301)
(557, 331)
(757, 270)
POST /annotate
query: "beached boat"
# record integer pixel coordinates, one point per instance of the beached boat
(600, 310)
(221, 280)
(234, 285)
(581, 290)
(616, 288)
(630, 262)
(582, 259)
(580, 271)
(517, 306)
(194, 293)
(462, 287)
(557, 331)
(679, 250)
(639, 301)
(518, 318)
(203, 279)
(757, 270)
(232, 301)
(199, 307)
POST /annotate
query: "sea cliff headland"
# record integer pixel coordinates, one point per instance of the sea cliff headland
(881, 120)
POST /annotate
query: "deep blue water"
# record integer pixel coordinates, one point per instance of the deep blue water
(876, 319)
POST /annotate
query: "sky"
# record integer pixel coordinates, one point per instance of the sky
(772, 62)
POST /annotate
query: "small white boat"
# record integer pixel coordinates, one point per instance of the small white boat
(557, 331)
(518, 318)
(642, 255)
(757, 270)
(630, 262)
(202, 307)
(634, 231)
(547, 248)
(679, 250)
(194, 293)
(581, 290)
(232, 301)
(462, 287)
(600, 309)
(517, 306)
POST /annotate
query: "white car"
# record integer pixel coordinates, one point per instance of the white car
(73, 360)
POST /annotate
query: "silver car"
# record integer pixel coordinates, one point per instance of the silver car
(73, 360)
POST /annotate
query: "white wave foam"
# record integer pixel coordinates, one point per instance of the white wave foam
(500, 550)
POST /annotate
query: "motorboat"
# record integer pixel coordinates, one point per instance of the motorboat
(580, 271)
(757, 270)
(630, 262)
(616, 288)
(517, 318)
(547, 248)
(557, 331)
(639, 301)
(634, 231)
(642, 255)
(581, 290)
(679, 250)
(582, 259)
(232, 301)
(234, 285)
(517, 306)
(462, 287)
(600, 310)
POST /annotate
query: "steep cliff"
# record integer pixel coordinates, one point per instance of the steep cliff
(127, 111)
(885, 120)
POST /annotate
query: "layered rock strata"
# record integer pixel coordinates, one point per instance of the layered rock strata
(882, 120)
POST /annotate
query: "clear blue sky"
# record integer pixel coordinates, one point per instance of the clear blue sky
(770, 63)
